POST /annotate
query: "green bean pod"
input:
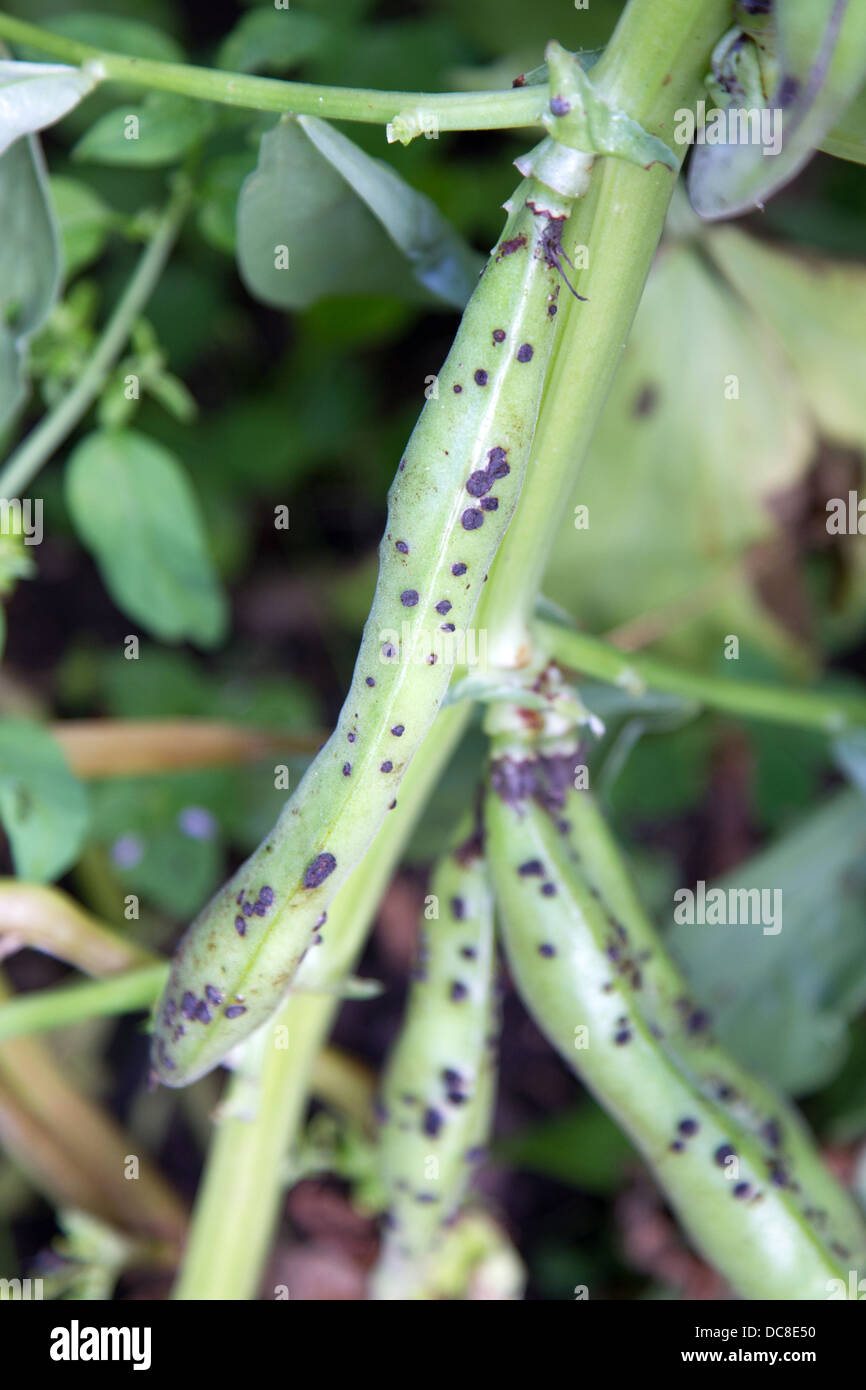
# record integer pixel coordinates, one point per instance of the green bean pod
(438, 1086)
(448, 508)
(734, 1159)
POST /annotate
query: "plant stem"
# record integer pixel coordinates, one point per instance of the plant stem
(811, 709)
(44, 1009)
(498, 110)
(651, 68)
(240, 1193)
(23, 465)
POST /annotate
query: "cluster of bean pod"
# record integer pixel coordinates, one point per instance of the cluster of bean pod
(448, 508)
(733, 1158)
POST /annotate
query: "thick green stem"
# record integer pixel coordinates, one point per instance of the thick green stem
(651, 68)
(23, 465)
(441, 111)
(239, 1197)
(809, 709)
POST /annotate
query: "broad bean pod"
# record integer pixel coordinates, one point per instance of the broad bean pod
(734, 1159)
(448, 508)
(437, 1091)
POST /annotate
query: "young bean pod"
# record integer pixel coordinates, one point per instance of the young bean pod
(438, 1087)
(734, 1159)
(448, 508)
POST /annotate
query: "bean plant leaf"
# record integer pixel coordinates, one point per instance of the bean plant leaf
(816, 311)
(43, 807)
(781, 1002)
(670, 500)
(821, 66)
(272, 40)
(117, 34)
(29, 264)
(159, 131)
(133, 507)
(320, 218)
(847, 139)
(85, 222)
(35, 95)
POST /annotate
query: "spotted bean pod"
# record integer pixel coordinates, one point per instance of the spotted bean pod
(733, 1158)
(448, 508)
(438, 1085)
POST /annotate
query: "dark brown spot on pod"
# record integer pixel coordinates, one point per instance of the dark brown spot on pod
(559, 106)
(402, 547)
(347, 768)
(235, 1010)
(409, 598)
(458, 991)
(433, 1121)
(458, 568)
(499, 335)
(545, 949)
(490, 504)
(525, 352)
(320, 869)
(369, 681)
(478, 483)
(688, 1126)
(443, 607)
(387, 767)
(497, 463)
(532, 866)
(480, 377)
(471, 519)
(457, 390)
(723, 1153)
(398, 730)
(241, 925)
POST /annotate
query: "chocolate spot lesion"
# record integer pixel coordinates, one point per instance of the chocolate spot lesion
(319, 869)
(646, 401)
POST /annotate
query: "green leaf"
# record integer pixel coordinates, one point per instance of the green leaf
(219, 190)
(133, 507)
(117, 34)
(29, 264)
(816, 310)
(781, 1002)
(159, 131)
(704, 424)
(582, 1146)
(822, 61)
(42, 805)
(271, 40)
(35, 95)
(321, 218)
(847, 139)
(85, 222)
